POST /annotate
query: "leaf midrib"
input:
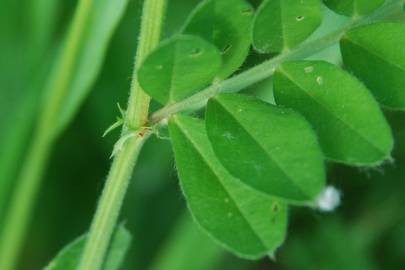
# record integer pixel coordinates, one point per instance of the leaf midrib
(330, 112)
(282, 27)
(211, 167)
(375, 54)
(288, 177)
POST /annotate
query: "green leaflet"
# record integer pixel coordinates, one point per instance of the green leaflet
(347, 119)
(178, 68)
(353, 8)
(105, 15)
(249, 223)
(283, 24)
(226, 24)
(68, 258)
(269, 148)
(376, 54)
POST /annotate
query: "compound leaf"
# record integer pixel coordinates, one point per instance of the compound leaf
(224, 23)
(376, 54)
(69, 257)
(353, 8)
(346, 117)
(269, 148)
(245, 221)
(178, 68)
(282, 24)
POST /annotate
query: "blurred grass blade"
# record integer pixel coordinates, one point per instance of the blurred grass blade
(72, 75)
(26, 52)
(68, 258)
(100, 25)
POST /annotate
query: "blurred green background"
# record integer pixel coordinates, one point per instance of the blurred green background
(366, 232)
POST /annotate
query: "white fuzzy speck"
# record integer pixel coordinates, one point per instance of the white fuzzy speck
(228, 136)
(329, 199)
(319, 80)
(164, 121)
(309, 69)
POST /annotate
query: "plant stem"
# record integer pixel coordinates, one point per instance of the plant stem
(118, 179)
(152, 19)
(110, 203)
(267, 68)
(29, 180)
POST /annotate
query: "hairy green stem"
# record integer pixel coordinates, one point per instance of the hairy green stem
(267, 68)
(110, 203)
(112, 197)
(138, 103)
(29, 179)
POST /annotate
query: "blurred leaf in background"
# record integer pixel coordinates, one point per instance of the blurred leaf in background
(28, 30)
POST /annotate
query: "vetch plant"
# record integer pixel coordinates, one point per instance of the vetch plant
(243, 162)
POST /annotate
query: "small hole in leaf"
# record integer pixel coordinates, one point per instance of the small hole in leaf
(247, 11)
(226, 48)
(299, 18)
(159, 67)
(195, 52)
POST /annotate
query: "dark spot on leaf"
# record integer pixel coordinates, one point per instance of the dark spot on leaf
(275, 208)
(273, 220)
(246, 11)
(226, 48)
